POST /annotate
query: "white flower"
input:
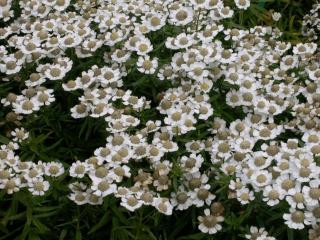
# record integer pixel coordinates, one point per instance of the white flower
(192, 163)
(54, 169)
(10, 185)
(146, 65)
(242, 4)
(78, 169)
(261, 178)
(202, 195)
(80, 111)
(156, 21)
(163, 205)
(181, 16)
(45, 97)
(183, 40)
(94, 199)
(271, 195)
(258, 233)
(9, 65)
(19, 135)
(55, 72)
(131, 203)
(244, 195)
(79, 197)
(38, 186)
(119, 172)
(311, 193)
(26, 106)
(210, 224)
(103, 188)
(296, 219)
(276, 16)
(181, 200)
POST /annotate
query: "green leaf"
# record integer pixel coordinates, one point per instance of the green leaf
(119, 215)
(290, 234)
(40, 226)
(4, 139)
(78, 232)
(196, 236)
(103, 221)
(63, 234)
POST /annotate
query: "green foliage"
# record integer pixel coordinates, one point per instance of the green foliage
(55, 135)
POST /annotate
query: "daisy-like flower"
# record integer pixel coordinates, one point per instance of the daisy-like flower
(143, 46)
(10, 185)
(26, 106)
(131, 203)
(192, 163)
(9, 65)
(183, 40)
(38, 186)
(119, 172)
(162, 183)
(296, 219)
(146, 196)
(70, 85)
(163, 205)
(91, 44)
(314, 232)
(45, 97)
(276, 16)
(94, 199)
(80, 111)
(100, 110)
(34, 173)
(296, 198)
(146, 65)
(79, 197)
(181, 200)
(35, 79)
(19, 135)
(54, 169)
(155, 21)
(258, 234)
(242, 4)
(61, 5)
(244, 195)
(197, 71)
(221, 13)
(194, 146)
(55, 72)
(261, 178)
(78, 169)
(103, 188)
(22, 167)
(181, 16)
(209, 223)
(120, 56)
(202, 196)
(30, 46)
(311, 193)
(113, 37)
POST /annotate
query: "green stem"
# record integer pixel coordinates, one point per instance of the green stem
(261, 3)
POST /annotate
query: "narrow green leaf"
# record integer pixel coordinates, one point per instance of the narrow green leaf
(78, 233)
(63, 234)
(105, 218)
(4, 139)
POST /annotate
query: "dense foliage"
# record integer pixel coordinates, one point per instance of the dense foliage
(152, 119)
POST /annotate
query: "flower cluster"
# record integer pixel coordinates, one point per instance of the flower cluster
(311, 23)
(270, 150)
(16, 174)
(258, 234)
